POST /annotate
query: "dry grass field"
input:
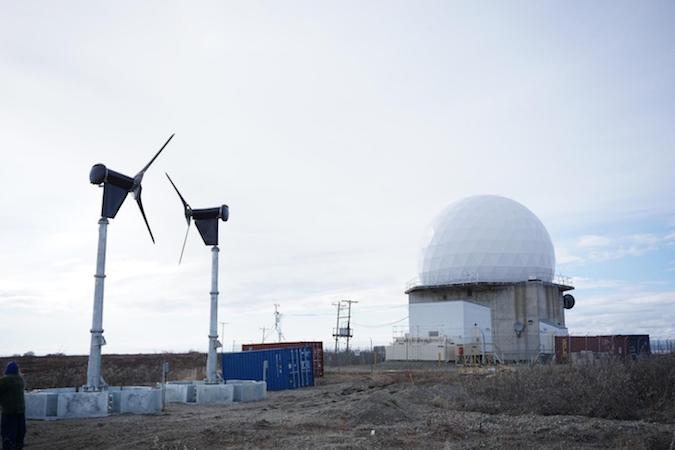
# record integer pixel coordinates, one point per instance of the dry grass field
(614, 405)
(118, 370)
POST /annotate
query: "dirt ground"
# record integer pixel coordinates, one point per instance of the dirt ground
(350, 409)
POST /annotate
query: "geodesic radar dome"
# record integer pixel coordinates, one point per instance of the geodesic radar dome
(486, 238)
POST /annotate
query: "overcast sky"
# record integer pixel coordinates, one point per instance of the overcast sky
(335, 131)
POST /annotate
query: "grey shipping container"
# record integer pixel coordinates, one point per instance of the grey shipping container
(281, 368)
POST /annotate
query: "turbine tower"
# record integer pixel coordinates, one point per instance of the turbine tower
(116, 187)
(206, 220)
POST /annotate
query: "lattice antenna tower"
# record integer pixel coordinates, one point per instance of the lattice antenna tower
(277, 323)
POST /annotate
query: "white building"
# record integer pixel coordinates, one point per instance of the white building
(486, 274)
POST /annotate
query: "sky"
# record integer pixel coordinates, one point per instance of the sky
(335, 131)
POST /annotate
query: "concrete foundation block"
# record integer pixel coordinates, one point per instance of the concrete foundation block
(41, 405)
(137, 401)
(116, 396)
(58, 390)
(215, 394)
(248, 391)
(180, 393)
(82, 404)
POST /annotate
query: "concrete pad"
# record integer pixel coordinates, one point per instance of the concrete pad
(138, 401)
(249, 391)
(215, 394)
(82, 404)
(41, 405)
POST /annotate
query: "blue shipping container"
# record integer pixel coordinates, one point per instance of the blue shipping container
(282, 368)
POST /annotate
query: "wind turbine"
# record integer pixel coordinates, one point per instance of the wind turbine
(206, 220)
(116, 187)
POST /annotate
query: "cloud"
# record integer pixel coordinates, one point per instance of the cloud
(670, 238)
(590, 283)
(20, 298)
(564, 255)
(593, 241)
(598, 248)
(622, 312)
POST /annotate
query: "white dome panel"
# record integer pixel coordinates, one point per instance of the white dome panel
(486, 238)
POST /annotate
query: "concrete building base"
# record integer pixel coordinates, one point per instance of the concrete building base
(525, 316)
(214, 394)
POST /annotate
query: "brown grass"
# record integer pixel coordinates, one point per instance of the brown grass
(118, 370)
(612, 389)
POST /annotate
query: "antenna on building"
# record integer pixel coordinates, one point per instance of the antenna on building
(206, 221)
(343, 328)
(116, 187)
(277, 323)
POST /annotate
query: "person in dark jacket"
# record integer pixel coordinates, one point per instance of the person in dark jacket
(13, 406)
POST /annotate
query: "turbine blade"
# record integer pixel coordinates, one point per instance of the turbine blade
(186, 207)
(155, 157)
(184, 242)
(140, 206)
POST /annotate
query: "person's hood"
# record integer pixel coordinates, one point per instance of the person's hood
(12, 368)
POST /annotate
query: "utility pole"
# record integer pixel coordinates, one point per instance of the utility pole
(349, 319)
(277, 322)
(341, 331)
(337, 326)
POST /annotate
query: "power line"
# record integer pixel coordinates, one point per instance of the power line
(382, 325)
(307, 315)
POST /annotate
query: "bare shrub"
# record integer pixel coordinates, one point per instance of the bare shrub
(612, 389)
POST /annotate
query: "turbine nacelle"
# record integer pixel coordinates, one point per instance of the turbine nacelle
(221, 213)
(206, 220)
(116, 187)
(100, 174)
